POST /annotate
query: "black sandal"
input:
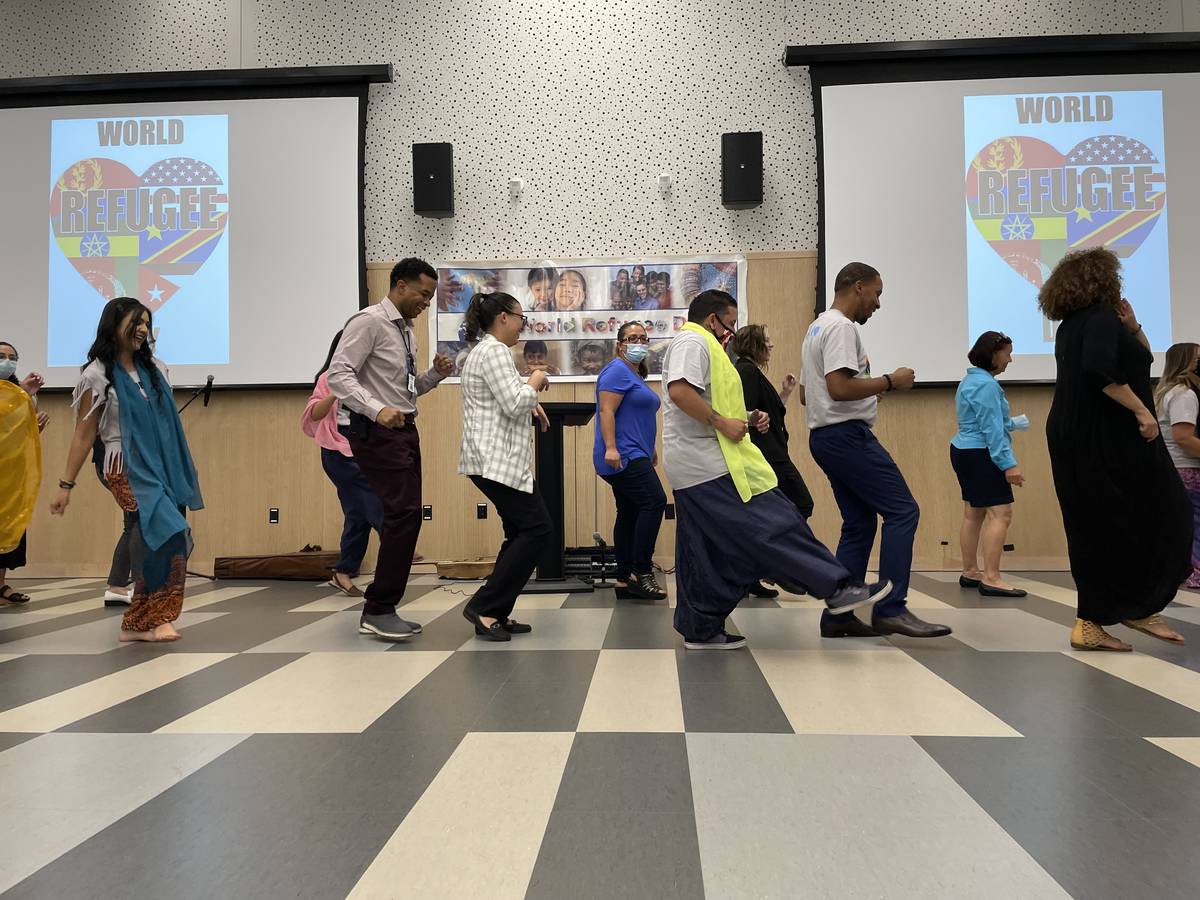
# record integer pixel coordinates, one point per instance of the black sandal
(7, 593)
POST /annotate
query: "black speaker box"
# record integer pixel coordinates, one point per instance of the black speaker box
(433, 180)
(742, 169)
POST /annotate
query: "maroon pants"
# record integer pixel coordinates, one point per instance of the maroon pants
(390, 459)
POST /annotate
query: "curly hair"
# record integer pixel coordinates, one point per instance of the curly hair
(750, 341)
(1081, 279)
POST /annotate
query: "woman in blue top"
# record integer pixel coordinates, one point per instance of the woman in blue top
(624, 456)
(982, 456)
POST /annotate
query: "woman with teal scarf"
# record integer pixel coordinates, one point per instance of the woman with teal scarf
(124, 397)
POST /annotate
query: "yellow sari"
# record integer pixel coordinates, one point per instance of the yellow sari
(20, 464)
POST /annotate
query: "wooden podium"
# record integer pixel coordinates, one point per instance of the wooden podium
(548, 472)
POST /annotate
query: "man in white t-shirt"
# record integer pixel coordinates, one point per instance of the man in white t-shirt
(840, 398)
(724, 544)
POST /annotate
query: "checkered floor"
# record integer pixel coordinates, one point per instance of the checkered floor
(275, 752)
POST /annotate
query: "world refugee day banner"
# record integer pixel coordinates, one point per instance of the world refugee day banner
(575, 307)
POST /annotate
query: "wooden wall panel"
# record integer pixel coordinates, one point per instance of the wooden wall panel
(252, 456)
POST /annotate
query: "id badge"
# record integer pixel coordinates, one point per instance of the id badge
(412, 384)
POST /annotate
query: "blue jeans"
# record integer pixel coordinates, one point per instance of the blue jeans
(867, 485)
(640, 505)
(361, 506)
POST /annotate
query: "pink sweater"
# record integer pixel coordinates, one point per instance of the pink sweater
(325, 431)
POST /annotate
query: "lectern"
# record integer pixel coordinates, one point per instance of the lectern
(548, 471)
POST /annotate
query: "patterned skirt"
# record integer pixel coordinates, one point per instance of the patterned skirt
(1191, 481)
(158, 575)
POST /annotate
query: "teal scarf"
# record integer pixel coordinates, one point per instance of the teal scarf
(158, 465)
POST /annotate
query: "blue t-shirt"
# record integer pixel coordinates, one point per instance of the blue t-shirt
(637, 416)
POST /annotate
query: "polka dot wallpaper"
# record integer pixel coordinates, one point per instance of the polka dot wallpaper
(586, 102)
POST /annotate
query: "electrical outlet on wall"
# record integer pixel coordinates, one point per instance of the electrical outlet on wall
(427, 513)
(273, 516)
(481, 510)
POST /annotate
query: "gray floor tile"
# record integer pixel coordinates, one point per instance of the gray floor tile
(43, 626)
(643, 628)
(285, 816)
(440, 630)
(727, 692)
(452, 696)
(247, 630)
(1056, 798)
(11, 739)
(150, 711)
(639, 855)
(530, 706)
(970, 599)
(1047, 694)
(622, 824)
(33, 677)
(850, 817)
(602, 598)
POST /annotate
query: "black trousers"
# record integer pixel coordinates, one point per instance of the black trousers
(793, 486)
(390, 458)
(527, 527)
(640, 504)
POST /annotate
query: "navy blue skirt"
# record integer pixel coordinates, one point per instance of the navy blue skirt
(982, 481)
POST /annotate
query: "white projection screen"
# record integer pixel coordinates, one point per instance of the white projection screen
(965, 192)
(238, 221)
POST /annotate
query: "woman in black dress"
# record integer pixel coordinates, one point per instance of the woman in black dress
(1126, 514)
(753, 347)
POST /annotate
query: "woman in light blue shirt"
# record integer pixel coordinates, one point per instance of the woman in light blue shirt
(982, 457)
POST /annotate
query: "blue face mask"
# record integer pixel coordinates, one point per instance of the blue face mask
(636, 353)
(7, 368)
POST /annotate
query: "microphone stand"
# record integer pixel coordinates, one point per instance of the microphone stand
(205, 389)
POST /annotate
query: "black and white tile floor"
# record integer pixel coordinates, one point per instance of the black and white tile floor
(275, 752)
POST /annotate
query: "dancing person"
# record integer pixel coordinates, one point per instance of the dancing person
(23, 422)
(982, 458)
(1178, 399)
(124, 396)
(328, 424)
(840, 402)
(623, 454)
(1126, 513)
(752, 348)
(733, 525)
(374, 376)
(496, 454)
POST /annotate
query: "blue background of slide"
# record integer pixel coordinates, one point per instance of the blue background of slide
(193, 326)
(1000, 299)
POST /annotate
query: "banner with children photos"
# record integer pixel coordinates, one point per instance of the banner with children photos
(575, 307)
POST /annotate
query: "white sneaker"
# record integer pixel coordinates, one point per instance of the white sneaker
(112, 598)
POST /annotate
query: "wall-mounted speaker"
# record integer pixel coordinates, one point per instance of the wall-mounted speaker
(742, 169)
(433, 180)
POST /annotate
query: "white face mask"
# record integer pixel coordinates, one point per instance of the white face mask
(636, 353)
(8, 368)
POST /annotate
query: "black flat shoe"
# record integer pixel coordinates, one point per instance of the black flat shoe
(493, 632)
(758, 589)
(968, 583)
(852, 628)
(513, 627)
(986, 590)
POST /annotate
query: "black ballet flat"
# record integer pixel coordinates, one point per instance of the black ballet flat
(514, 627)
(989, 591)
(494, 632)
(968, 583)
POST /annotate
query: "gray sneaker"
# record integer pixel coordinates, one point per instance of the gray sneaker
(388, 626)
(852, 596)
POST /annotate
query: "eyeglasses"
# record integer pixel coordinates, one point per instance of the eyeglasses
(524, 319)
(636, 339)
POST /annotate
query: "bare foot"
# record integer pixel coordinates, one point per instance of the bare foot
(166, 632)
(344, 580)
(997, 582)
(1164, 632)
(973, 574)
(123, 591)
(127, 636)
(488, 621)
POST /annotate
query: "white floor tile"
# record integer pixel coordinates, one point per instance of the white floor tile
(634, 690)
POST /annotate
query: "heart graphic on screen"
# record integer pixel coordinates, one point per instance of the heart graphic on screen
(142, 235)
(1034, 204)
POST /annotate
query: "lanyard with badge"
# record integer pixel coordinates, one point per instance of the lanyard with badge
(408, 355)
